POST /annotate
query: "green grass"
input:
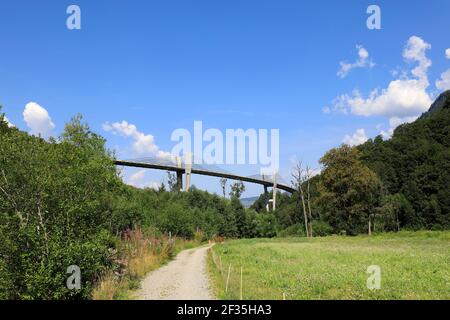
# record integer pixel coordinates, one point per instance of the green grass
(414, 265)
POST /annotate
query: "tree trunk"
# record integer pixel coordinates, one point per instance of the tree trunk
(309, 211)
(304, 213)
(310, 229)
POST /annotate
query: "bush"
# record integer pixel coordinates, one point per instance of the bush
(177, 220)
(296, 230)
(54, 212)
(321, 228)
(265, 225)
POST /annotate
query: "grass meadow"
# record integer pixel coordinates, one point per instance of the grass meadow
(413, 265)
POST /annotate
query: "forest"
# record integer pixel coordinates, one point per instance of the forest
(63, 202)
(382, 185)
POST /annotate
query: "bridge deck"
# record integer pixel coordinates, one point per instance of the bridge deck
(174, 168)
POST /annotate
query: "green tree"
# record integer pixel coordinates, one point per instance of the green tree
(415, 163)
(240, 217)
(237, 189)
(223, 184)
(53, 211)
(172, 181)
(349, 191)
(395, 213)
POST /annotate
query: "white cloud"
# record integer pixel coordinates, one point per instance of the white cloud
(38, 120)
(394, 122)
(400, 98)
(444, 82)
(415, 51)
(387, 134)
(8, 122)
(359, 137)
(138, 180)
(362, 62)
(403, 97)
(316, 172)
(144, 144)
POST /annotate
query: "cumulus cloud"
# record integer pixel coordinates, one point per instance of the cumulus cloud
(404, 97)
(362, 62)
(401, 98)
(8, 122)
(139, 180)
(38, 120)
(444, 82)
(143, 144)
(394, 122)
(415, 51)
(359, 137)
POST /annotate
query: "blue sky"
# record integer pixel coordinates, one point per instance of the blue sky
(160, 65)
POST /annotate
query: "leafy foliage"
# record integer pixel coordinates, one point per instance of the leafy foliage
(53, 211)
(237, 189)
(349, 190)
(63, 203)
(415, 165)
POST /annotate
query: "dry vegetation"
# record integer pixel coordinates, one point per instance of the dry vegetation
(138, 253)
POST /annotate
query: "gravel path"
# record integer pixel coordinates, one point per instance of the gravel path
(183, 278)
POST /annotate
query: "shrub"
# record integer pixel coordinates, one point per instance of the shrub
(321, 228)
(177, 220)
(296, 230)
(265, 225)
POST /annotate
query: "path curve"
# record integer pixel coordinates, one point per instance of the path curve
(183, 278)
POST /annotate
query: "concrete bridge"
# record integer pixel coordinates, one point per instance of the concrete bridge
(187, 169)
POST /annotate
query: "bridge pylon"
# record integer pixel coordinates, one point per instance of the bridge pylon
(188, 170)
(179, 174)
(274, 196)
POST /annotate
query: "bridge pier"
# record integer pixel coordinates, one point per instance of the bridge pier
(179, 173)
(266, 197)
(188, 170)
(274, 199)
(179, 180)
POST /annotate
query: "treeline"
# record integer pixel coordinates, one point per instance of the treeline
(401, 183)
(184, 213)
(63, 203)
(414, 168)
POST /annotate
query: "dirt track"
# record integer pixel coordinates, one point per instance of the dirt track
(184, 278)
